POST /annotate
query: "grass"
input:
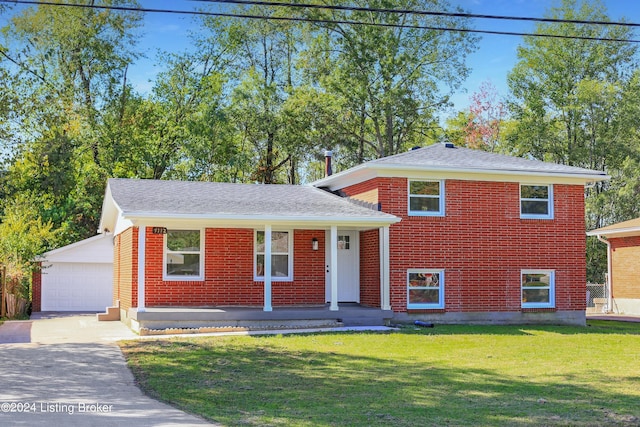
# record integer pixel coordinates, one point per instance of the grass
(449, 375)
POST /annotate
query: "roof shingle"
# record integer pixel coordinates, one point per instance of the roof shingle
(190, 198)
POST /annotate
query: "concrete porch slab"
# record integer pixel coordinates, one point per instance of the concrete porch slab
(256, 318)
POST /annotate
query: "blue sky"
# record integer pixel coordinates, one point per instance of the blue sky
(493, 60)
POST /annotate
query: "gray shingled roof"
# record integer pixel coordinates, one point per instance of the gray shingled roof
(440, 156)
(140, 197)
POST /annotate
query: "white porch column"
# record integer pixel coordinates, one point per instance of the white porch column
(333, 268)
(267, 268)
(385, 293)
(142, 234)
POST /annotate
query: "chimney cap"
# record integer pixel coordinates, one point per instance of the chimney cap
(328, 153)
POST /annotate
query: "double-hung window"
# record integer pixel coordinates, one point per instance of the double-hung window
(425, 288)
(536, 201)
(281, 255)
(426, 198)
(538, 288)
(183, 255)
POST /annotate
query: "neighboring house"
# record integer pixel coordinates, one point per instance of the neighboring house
(623, 252)
(440, 233)
(76, 277)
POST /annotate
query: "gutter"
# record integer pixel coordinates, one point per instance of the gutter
(609, 270)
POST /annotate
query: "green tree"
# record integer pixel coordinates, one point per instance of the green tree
(393, 76)
(575, 102)
(64, 64)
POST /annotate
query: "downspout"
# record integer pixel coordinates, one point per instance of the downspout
(609, 269)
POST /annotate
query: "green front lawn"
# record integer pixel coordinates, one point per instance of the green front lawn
(448, 375)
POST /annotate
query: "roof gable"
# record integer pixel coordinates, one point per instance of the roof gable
(446, 158)
(96, 249)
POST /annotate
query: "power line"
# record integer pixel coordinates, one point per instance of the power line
(316, 21)
(419, 12)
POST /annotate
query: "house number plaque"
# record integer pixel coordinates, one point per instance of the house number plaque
(159, 230)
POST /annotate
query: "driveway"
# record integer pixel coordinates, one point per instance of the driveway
(67, 370)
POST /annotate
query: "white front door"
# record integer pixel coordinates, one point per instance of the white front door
(348, 266)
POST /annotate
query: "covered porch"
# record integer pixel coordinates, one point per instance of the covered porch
(302, 316)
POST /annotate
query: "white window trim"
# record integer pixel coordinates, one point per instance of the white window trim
(549, 200)
(441, 204)
(288, 278)
(440, 303)
(200, 276)
(552, 289)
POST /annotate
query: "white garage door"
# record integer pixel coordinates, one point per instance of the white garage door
(77, 287)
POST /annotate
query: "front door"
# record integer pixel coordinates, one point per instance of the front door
(348, 266)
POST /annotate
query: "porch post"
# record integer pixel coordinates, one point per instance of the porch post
(267, 268)
(333, 268)
(142, 234)
(385, 299)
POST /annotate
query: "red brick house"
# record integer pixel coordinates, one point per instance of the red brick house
(441, 233)
(623, 252)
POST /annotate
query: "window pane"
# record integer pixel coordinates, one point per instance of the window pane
(183, 264)
(424, 204)
(534, 192)
(535, 207)
(183, 240)
(535, 295)
(424, 296)
(424, 280)
(343, 242)
(260, 241)
(425, 188)
(279, 265)
(531, 280)
(280, 241)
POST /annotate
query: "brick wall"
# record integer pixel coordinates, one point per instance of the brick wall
(228, 271)
(370, 268)
(36, 288)
(482, 244)
(125, 272)
(625, 267)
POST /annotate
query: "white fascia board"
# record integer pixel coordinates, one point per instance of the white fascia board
(618, 232)
(346, 178)
(495, 175)
(110, 215)
(253, 221)
(55, 255)
(367, 171)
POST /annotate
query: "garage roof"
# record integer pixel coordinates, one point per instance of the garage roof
(96, 249)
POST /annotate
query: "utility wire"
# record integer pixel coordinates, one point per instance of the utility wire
(316, 21)
(418, 12)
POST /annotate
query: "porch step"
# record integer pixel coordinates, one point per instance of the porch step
(112, 314)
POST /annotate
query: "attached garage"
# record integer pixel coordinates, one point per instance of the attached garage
(77, 277)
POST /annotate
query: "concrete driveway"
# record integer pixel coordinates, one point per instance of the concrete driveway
(67, 370)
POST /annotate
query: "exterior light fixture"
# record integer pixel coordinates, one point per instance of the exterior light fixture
(314, 244)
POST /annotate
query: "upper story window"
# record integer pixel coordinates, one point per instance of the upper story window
(538, 288)
(536, 201)
(281, 255)
(183, 255)
(426, 198)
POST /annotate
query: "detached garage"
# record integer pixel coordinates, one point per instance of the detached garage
(77, 277)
